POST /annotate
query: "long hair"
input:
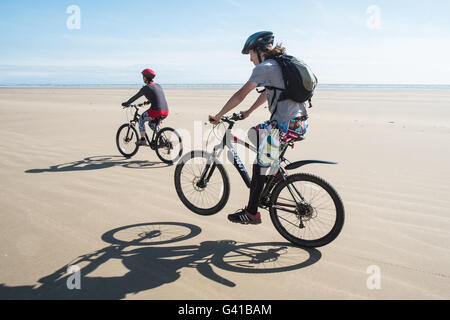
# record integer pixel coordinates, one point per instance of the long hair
(273, 52)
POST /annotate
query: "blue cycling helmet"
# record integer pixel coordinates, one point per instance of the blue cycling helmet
(258, 40)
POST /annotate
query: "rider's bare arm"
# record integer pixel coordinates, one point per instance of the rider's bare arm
(236, 99)
(259, 102)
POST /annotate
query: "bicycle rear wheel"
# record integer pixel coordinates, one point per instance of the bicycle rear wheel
(126, 139)
(270, 257)
(207, 198)
(319, 217)
(169, 145)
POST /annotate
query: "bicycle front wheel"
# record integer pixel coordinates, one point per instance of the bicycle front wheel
(205, 196)
(126, 139)
(169, 145)
(307, 211)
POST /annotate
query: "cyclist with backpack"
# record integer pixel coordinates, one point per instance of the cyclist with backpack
(159, 109)
(289, 83)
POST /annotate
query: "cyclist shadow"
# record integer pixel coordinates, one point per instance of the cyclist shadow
(150, 265)
(98, 163)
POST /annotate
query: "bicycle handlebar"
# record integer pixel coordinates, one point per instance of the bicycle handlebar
(235, 117)
(138, 105)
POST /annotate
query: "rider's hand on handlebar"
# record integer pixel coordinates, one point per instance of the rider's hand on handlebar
(215, 119)
(245, 114)
(125, 104)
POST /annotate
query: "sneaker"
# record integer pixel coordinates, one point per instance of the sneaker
(141, 142)
(243, 217)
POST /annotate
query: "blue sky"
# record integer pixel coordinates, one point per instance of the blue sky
(199, 41)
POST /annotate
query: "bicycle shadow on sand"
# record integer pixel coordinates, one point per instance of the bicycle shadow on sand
(150, 263)
(100, 162)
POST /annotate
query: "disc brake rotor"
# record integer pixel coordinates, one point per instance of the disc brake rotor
(195, 185)
(307, 212)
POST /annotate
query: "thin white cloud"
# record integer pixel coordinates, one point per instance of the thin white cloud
(319, 4)
(404, 60)
(234, 3)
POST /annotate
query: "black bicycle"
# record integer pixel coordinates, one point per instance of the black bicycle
(166, 142)
(305, 209)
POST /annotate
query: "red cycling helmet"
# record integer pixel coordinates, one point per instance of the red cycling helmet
(149, 73)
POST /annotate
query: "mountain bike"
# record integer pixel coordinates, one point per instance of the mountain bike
(166, 142)
(305, 209)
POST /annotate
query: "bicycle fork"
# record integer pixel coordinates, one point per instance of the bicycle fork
(129, 137)
(207, 173)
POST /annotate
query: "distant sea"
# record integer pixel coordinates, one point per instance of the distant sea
(359, 87)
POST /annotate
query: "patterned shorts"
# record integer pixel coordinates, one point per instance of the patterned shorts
(274, 137)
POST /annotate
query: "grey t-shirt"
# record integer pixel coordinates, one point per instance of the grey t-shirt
(268, 74)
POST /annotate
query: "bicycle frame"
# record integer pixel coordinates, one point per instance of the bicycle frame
(135, 120)
(228, 140)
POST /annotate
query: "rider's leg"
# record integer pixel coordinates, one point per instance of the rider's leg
(258, 178)
(154, 125)
(256, 188)
(253, 136)
(142, 120)
(250, 215)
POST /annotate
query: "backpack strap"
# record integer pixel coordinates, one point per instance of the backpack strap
(280, 98)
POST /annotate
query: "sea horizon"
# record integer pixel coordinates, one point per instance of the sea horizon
(218, 86)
